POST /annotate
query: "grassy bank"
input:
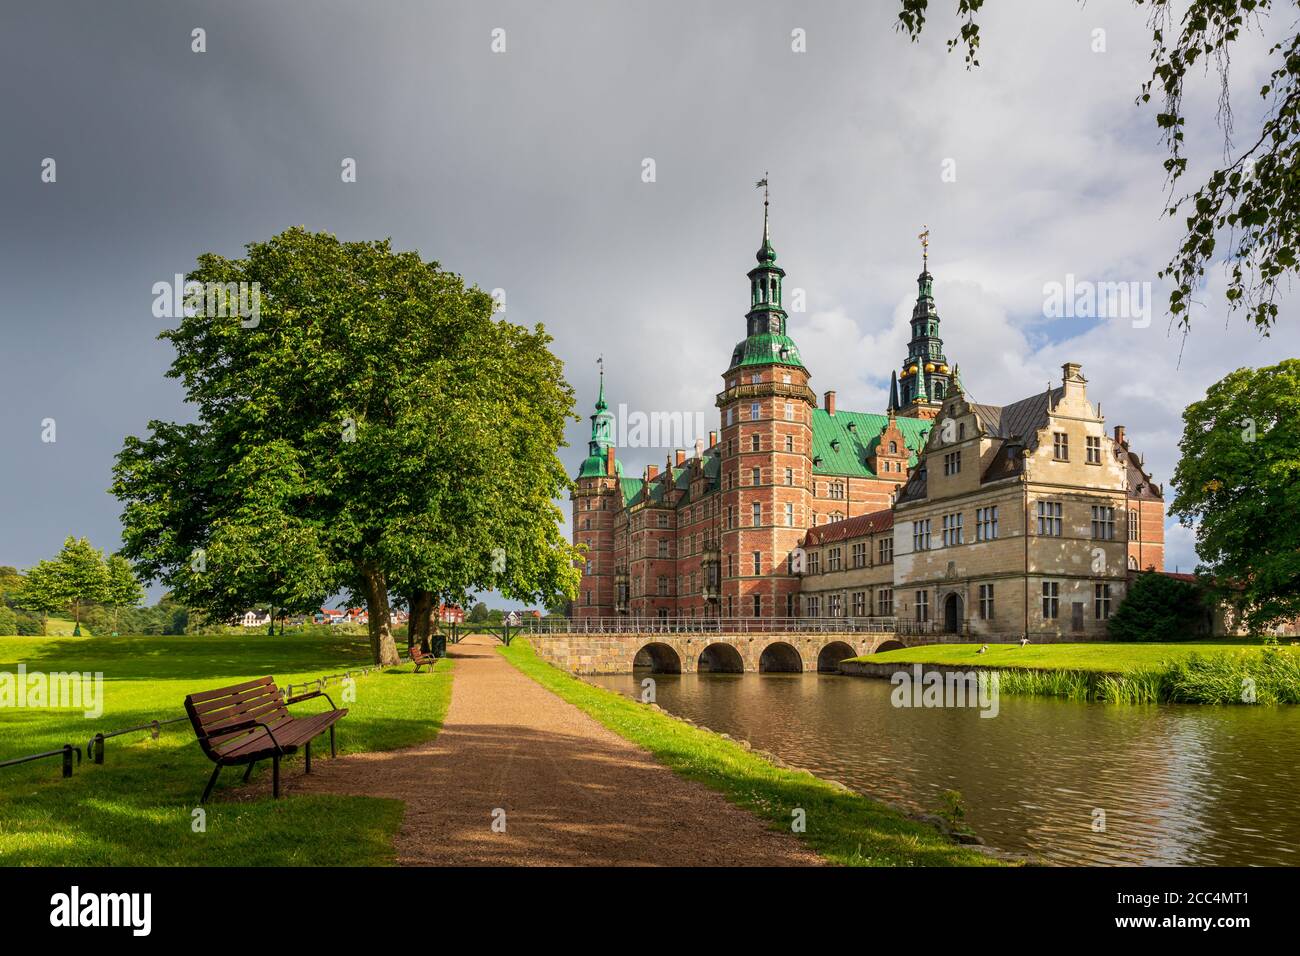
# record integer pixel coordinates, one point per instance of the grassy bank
(843, 827)
(1196, 672)
(136, 808)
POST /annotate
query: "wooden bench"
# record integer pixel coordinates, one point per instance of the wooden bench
(421, 659)
(250, 722)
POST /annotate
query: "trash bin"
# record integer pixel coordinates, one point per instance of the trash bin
(438, 645)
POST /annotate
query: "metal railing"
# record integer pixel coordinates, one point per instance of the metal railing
(624, 624)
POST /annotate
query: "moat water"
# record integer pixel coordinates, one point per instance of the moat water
(1178, 784)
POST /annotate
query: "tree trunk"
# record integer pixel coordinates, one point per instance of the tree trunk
(382, 647)
(417, 629)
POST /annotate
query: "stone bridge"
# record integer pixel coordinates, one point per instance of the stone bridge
(692, 652)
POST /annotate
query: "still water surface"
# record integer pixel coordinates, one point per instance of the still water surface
(1179, 784)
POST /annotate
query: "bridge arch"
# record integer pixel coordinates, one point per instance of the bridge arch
(780, 658)
(828, 660)
(658, 658)
(720, 658)
(890, 645)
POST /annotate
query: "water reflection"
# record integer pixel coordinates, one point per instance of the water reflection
(1177, 784)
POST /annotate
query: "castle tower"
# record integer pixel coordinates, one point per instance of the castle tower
(595, 502)
(926, 378)
(766, 469)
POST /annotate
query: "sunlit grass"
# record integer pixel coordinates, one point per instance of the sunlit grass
(137, 809)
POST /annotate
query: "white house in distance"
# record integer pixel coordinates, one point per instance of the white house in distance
(255, 617)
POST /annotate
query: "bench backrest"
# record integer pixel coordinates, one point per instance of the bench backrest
(416, 653)
(222, 715)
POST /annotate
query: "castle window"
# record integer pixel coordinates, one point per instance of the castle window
(789, 516)
(986, 602)
(1049, 518)
(886, 550)
(833, 559)
(1060, 446)
(758, 605)
(921, 535)
(1094, 450)
(755, 476)
(1103, 523)
(837, 489)
(922, 606)
(1132, 563)
(1101, 601)
(1133, 526)
(785, 379)
(789, 443)
(753, 412)
(756, 378)
(833, 605)
(758, 514)
(731, 415)
(753, 443)
(961, 431)
(952, 463)
(789, 476)
(952, 533)
(860, 556)
(814, 562)
(859, 603)
(789, 411)
(885, 602)
(986, 523)
(893, 448)
(758, 562)
(1051, 600)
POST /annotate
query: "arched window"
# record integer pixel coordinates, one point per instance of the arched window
(893, 448)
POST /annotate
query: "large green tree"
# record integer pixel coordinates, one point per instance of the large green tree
(1238, 484)
(1246, 211)
(42, 592)
(374, 429)
(81, 577)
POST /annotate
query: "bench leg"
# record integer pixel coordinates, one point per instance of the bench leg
(333, 752)
(212, 782)
(307, 757)
(275, 775)
(249, 772)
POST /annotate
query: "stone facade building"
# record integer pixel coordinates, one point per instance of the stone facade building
(796, 509)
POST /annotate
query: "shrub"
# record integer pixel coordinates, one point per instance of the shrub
(1159, 608)
(8, 622)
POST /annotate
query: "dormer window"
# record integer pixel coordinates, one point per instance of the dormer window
(835, 444)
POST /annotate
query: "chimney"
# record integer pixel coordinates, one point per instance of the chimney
(713, 439)
(609, 461)
(681, 456)
(830, 402)
(1070, 372)
(1119, 436)
(651, 472)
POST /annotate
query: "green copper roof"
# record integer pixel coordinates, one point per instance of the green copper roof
(766, 349)
(631, 488)
(858, 443)
(593, 466)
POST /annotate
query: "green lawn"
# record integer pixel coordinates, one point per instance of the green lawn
(1194, 672)
(1113, 658)
(843, 827)
(136, 808)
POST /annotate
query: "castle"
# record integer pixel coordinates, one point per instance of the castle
(941, 513)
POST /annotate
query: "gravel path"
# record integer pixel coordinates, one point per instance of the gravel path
(572, 792)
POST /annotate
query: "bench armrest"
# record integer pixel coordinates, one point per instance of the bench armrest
(315, 693)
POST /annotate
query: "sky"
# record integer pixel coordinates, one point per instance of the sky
(524, 169)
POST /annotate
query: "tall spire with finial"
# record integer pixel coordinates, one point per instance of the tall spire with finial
(602, 433)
